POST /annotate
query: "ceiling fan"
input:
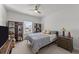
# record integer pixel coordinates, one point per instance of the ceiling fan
(36, 8)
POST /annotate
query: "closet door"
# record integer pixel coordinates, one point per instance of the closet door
(19, 31)
(16, 31)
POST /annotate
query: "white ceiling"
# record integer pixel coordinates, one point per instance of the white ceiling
(44, 8)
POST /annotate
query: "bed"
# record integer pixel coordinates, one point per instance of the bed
(39, 40)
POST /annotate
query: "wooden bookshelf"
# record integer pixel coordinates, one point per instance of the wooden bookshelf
(16, 30)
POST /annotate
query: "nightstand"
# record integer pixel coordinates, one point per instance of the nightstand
(65, 42)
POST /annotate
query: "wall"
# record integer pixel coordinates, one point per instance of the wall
(68, 18)
(3, 15)
(19, 17)
(16, 16)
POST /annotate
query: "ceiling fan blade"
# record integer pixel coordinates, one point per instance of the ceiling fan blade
(31, 9)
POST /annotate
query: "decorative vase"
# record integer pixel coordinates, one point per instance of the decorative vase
(63, 33)
(63, 30)
(69, 34)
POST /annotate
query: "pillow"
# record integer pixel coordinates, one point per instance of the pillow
(46, 32)
(43, 31)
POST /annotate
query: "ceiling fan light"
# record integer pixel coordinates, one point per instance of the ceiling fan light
(36, 11)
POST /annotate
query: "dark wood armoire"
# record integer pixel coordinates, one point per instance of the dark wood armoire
(16, 30)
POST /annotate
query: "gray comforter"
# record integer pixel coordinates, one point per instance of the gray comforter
(38, 40)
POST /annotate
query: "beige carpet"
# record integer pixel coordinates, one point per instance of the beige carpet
(24, 48)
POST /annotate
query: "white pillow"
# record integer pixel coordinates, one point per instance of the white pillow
(45, 31)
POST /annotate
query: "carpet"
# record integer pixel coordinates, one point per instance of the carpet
(24, 48)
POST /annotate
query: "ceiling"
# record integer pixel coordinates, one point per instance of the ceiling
(44, 8)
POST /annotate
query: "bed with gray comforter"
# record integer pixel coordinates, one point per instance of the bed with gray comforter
(38, 40)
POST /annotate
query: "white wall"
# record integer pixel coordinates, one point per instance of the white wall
(68, 18)
(16, 16)
(19, 17)
(3, 15)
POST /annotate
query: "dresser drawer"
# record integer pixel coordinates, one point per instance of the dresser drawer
(65, 43)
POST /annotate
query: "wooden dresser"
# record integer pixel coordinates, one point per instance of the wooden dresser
(7, 47)
(65, 42)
